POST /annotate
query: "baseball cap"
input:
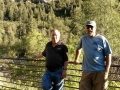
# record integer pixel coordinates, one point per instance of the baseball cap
(92, 23)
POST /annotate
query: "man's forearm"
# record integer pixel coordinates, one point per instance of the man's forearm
(65, 64)
(108, 63)
(77, 54)
(39, 56)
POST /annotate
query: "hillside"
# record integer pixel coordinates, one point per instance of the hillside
(25, 27)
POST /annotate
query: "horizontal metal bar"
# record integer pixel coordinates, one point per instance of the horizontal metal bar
(33, 67)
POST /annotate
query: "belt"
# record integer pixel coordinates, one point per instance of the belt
(53, 70)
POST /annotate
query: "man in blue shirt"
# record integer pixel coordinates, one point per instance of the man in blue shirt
(96, 59)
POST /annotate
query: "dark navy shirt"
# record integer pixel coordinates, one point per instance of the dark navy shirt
(55, 56)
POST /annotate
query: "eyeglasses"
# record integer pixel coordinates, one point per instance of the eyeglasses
(89, 26)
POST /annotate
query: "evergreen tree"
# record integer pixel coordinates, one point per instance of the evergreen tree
(11, 10)
(2, 10)
(21, 31)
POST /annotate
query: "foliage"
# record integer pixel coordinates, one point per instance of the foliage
(25, 27)
(69, 16)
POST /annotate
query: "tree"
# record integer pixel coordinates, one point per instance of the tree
(33, 43)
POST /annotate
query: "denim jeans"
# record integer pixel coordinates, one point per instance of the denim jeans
(52, 80)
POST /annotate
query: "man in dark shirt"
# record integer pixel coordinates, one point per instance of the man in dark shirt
(56, 54)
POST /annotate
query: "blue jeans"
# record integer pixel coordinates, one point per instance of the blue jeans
(52, 80)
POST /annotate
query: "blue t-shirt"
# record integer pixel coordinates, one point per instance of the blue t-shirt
(95, 50)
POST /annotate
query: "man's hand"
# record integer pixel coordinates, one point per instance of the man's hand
(64, 74)
(76, 62)
(106, 75)
(38, 57)
(35, 59)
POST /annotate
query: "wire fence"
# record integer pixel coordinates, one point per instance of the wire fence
(25, 74)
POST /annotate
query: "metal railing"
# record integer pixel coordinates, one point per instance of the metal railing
(25, 74)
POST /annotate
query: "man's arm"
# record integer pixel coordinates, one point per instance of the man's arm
(39, 56)
(65, 65)
(78, 52)
(108, 63)
(64, 74)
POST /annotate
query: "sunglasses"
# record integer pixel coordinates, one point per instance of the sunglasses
(89, 26)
